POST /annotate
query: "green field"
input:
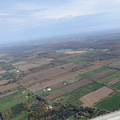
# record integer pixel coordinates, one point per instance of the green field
(11, 100)
(85, 75)
(110, 104)
(80, 59)
(21, 116)
(8, 98)
(76, 94)
(112, 81)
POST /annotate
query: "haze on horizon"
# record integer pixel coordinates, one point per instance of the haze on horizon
(28, 19)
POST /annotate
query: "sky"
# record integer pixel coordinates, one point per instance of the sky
(22, 20)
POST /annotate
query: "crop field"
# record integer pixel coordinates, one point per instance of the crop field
(69, 66)
(55, 85)
(11, 100)
(88, 69)
(94, 97)
(9, 93)
(76, 59)
(78, 93)
(39, 76)
(70, 57)
(67, 89)
(110, 104)
(48, 83)
(112, 81)
(3, 82)
(85, 75)
(115, 65)
(24, 66)
(7, 87)
(105, 62)
(103, 74)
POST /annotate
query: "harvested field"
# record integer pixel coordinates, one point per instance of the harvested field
(2, 82)
(3, 54)
(115, 65)
(69, 66)
(39, 76)
(68, 88)
(27, 83)
(103, 74)
(87, 69)
(9, 93)
(24, 66)
(104, 62)
(69, 56)
(49, 83)
(20, 63)
(3, 71)
(94, 97)
(29, 59)
(55, 85)
(7, 87)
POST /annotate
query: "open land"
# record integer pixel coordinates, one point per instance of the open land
(94, 97)
(8, 87)
(67, 89)
(111, 103)
(36, 75)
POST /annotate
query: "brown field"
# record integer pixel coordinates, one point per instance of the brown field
(9, 93)
(24, 66)
(87, 69)
(115, 65)
(32, 58)
(32, 51)
(44, 84)
(102, 74)
(104, 62)
(7, 87)
(94, 97)
(56, 56)
(2, 82)
(2, 54)
(69, 56)
(20, 63)
(3, 71)
(39, 76)
(69, 66)
(56, 85)
(67, 89)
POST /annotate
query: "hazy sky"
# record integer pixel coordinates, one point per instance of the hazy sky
(31, 19)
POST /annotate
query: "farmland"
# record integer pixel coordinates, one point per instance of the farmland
(111, 103)
(67, 89)
(112, 80)
(76, 94)
(115, 65)
(7, 87)
(93, 97)
(43, 78)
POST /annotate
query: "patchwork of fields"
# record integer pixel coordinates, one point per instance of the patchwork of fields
(95, 84)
